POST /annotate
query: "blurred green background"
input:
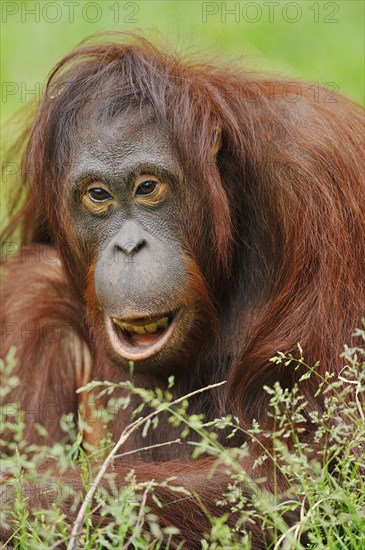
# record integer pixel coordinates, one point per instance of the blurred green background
(318, 41)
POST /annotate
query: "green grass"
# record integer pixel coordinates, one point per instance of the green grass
(326, 491)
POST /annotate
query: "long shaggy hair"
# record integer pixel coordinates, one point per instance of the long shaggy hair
(286, 197)
(273, 229)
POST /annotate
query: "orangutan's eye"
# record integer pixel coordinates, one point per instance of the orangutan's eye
(98, 194)
(146, 187)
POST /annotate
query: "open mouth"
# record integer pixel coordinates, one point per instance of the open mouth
(140, 338)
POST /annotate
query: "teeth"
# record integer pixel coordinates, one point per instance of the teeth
(119, 323)
(162, 323)
(142, 329)
(151, 328)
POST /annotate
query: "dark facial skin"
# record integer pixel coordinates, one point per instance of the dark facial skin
(127, 209)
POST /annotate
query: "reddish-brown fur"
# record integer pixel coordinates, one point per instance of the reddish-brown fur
(284, 258)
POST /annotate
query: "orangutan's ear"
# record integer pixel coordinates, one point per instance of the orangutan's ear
(217, 141)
